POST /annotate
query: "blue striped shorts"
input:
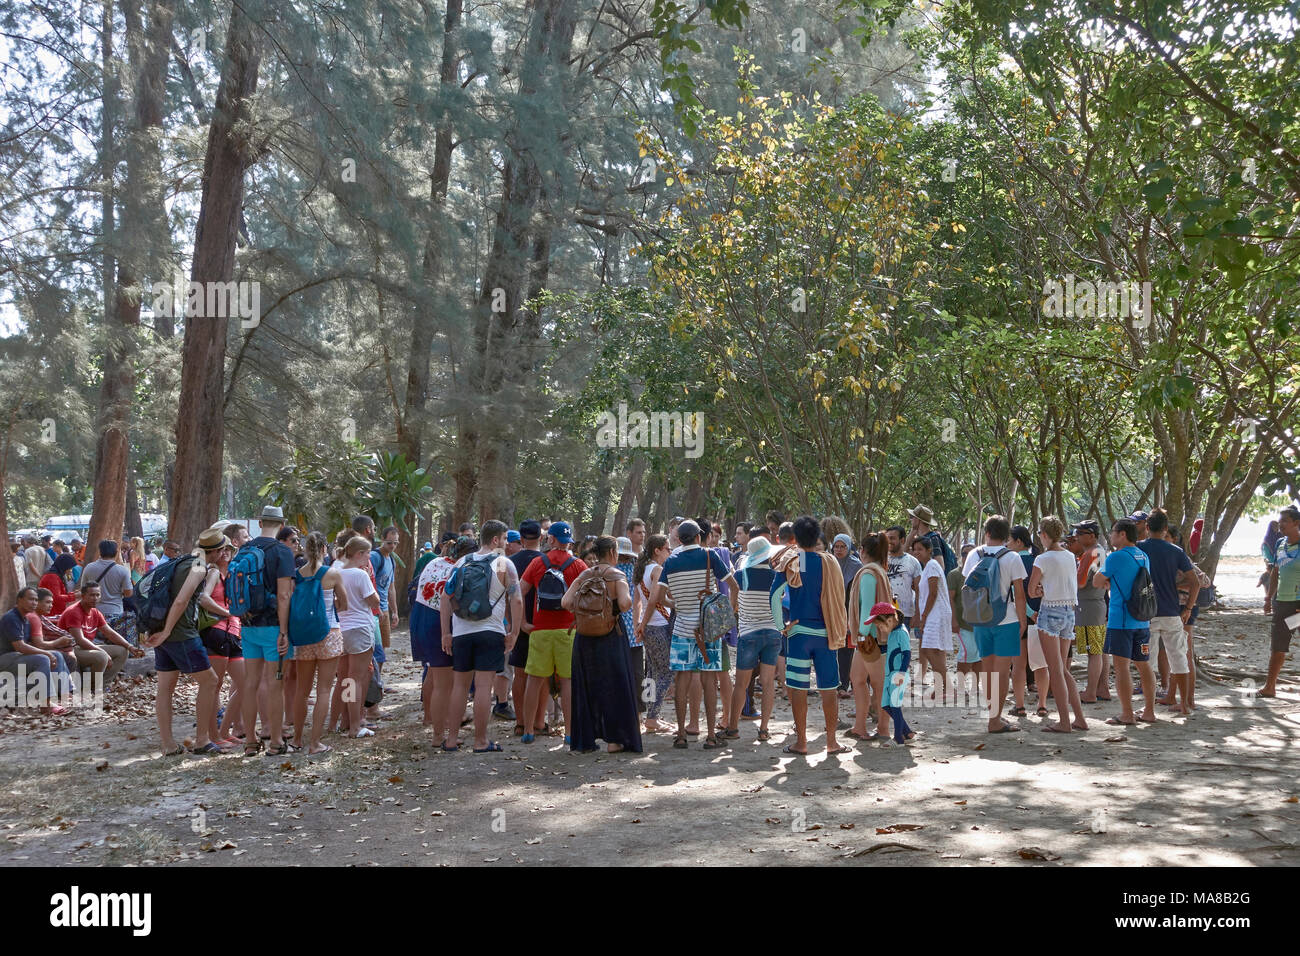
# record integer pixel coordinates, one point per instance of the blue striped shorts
(806, 653)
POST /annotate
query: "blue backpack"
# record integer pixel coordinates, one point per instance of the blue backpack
(246, 581)
(983, 599)
(307, 621)
(470, 585)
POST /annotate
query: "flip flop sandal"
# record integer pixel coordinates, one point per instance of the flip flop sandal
(1018, 712)
(179, 751)
(206, 750)
(680, 743)
(788, 749)
(1041, 712)
(764, 735)
(279, 751)
(1116, 722)
(325, 748)
(450, 750)
(857, 736)
(731, 734)
(519, 730)
(1005, 729)
(1143, 720)
(491, 748)
(839, 750)
(712, 743)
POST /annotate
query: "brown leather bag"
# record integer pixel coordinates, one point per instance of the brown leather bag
(593, 611)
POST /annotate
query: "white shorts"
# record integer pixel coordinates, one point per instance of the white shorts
(1168, 632)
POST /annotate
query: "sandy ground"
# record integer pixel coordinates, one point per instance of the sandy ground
(1219, 787)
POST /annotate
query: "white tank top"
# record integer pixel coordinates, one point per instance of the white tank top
(656, 619)
(1059, 572)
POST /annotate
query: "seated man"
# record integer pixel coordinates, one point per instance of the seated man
(20, 657)
(47, 634)
(91, 631)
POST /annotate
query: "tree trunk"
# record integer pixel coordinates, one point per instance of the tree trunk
(424, 319)
(200, 423)
(134, 524)
(136, 245)
(503, 332)
(631, 488)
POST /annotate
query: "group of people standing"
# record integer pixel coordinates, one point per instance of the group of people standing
(600, 634)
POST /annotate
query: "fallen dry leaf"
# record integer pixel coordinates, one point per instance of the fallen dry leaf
(394, 778)
(1036, 853)
(847, 826)
(900, 827)
(102, 765)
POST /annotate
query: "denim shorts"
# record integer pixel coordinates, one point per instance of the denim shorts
(762, 646)
(1056, 620)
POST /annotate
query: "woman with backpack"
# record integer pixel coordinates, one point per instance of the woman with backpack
(604, 693)
(315, 607)
(219, 631)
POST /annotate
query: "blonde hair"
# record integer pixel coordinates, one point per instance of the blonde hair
(137, 549)
(1053, 527)
(355, 546)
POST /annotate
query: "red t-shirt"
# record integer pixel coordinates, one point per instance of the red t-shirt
(89, 621)
(552, 620)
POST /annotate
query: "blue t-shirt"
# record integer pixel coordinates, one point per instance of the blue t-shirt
(13, 627)
(279, 564)
(1121, 568)
(1166, 560)
(806, 599)
(385, 569)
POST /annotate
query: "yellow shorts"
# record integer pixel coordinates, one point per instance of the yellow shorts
(550, 652)
(1089, 638)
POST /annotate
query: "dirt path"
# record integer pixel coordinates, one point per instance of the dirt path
(1219, 787)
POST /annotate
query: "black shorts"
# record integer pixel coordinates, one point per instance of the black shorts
(1281, 634)
(219, 643)
(519, 654)
(478, 651)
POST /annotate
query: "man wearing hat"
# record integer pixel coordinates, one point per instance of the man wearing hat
(759, 642)
(923, 527)
(1090, 615)
(550, 640)
(1140, 518)
(265, 635)
(513, 545)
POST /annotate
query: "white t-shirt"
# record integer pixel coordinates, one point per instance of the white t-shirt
(940, 618)
(656, 619)
(357, 587)
(1011, 569)
(495, 621)
(1059, 575)
(903, 570)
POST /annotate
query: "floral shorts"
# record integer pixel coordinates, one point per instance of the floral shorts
(323, 650)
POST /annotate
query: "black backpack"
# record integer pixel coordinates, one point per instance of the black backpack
(1141, 603)
(551, 588)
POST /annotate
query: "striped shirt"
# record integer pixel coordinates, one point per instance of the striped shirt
(755, 589)
(684, 576)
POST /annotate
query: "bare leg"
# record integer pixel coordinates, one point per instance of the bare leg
(799, 704)
(831, 714)
(302, 690)
(456, 704)
(738, 698)
(441, 682)
(163, 708)
(483, 706)
(325, 671)
(861, 695)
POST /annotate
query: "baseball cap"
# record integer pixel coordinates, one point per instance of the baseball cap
(688, 529)
(882, 609)
(512, 535)
(1139, 516)
(530, 529)
(1089, 526)
(561, 532)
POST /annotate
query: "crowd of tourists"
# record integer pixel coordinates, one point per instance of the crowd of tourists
(286, 634)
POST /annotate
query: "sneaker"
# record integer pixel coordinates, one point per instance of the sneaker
(503, 712)
(364, 732)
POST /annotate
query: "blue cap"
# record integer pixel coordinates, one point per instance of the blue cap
(428, 546)
(561, 532)
(512, 535)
